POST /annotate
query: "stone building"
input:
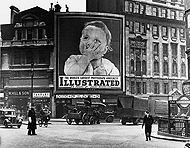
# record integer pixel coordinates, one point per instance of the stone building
(156, 62)
(26, 58)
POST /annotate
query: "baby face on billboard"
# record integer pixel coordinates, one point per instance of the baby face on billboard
(93, 42)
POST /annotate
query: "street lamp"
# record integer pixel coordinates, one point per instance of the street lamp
(32, 76)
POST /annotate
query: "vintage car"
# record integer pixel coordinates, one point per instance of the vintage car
(89, 115)
(8, 118)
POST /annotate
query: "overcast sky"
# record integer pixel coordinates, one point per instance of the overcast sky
(74, 5)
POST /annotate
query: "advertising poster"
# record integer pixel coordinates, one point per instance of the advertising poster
(89, 51)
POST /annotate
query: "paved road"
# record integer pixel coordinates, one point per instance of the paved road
(62, 135)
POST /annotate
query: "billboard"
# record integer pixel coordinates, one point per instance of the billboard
(89, 51)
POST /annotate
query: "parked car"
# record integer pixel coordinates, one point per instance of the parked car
(8, 118)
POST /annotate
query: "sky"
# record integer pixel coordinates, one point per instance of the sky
(74, 5)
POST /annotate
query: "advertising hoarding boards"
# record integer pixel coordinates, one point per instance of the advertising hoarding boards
(76, 46)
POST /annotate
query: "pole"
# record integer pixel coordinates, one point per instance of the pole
(32, 76)
(169, 131)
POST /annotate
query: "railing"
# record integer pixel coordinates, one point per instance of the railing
(174, 126)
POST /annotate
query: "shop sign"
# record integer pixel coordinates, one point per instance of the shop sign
(183, 101)
(82, 96)
(41, 95)
(19, 93)
(89, 82)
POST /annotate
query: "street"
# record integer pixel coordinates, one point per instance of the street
(62, 135)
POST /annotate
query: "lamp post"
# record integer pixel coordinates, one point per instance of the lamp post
(32, 76)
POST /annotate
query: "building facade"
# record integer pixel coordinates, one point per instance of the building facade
(156, 62)
(26, 59)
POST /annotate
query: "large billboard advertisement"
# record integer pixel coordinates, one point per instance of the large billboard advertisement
(89, 51)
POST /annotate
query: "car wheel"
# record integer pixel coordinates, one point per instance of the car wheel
(5, 123)
(109, 119)
(40, 123)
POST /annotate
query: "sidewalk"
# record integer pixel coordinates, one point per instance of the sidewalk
(165, 136)
(154, 131)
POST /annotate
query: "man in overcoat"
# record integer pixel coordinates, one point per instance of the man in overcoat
(31, 120)
(148, 121)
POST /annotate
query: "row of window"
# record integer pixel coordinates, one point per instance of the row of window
(30, 34)
(138, 63)
(27, 74)
(24, 57)
(165, 32)
(140, 28)
(141, 87)
(144, 9)
(165, 61)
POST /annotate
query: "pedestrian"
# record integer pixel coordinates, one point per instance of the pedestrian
(148, 121)
(31, 120)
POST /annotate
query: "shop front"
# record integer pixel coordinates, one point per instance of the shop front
(19, 99)
(66, 101)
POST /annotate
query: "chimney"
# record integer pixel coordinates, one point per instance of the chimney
(14, 11)
(51, 8)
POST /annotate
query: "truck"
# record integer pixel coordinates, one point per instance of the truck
(131, 108)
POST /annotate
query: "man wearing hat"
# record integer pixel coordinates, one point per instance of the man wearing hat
(147, 121)
(31, 120)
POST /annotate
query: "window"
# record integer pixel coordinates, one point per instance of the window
(137, 8)
(132, 66)
(164, 31)
(138, 87)
(40, 33)
(156, 57)
(175, 85)
(144, 67)
(155, 11)
(173, 14)
(156, 67)
(174, 50)
(166, 88)
(131, 26)
(165, 68)
(138, 62)
(182, 33)
(183, 69)
(17, 57)
(137, 27)
(174, 32)
(165, 49)
(174, 68)
(156, 49)
(19, 34)
(29, 57)
(144, 88)
(155, 30)
(164, 13)
(29, 34)
(182, 51)
(181, 16)
(132, 87)
(142, 9)
(42, 57)
(131, 7)
(156, 88)
(143, 28)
